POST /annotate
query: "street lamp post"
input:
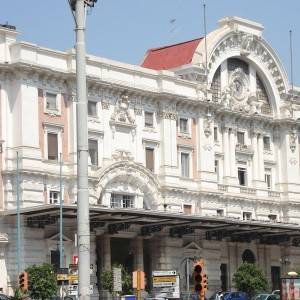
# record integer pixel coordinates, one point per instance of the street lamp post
(83, 222)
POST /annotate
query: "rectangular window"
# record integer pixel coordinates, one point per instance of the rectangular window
(183, 125)
(150, 159)
(242, 175)
(217, 168)
(215, 134)
(247, 216)
(241, 138)
(52, 146)
(185, 165)
(54, 197)
(122, 201)
(268, 177)
(187, 209)
(51, 101)
(148, 119)
(92, 109)
(267, 144)
(272, 218)
(93, 152)
(220, 212)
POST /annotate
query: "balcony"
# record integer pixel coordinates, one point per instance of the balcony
(242, 148)
(246, 190)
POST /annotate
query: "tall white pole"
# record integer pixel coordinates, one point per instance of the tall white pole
(83, 225)
(18, 221)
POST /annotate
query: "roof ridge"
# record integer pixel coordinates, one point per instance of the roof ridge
(172, 45)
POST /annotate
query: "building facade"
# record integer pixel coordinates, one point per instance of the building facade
(208, 136)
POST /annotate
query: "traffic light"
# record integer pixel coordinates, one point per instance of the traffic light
(200, 279)
(23, 281)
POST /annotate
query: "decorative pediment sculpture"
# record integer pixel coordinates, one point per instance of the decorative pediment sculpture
(121, 112)
(247, 44)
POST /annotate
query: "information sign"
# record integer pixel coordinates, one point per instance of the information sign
(164, 273)
(117, 279)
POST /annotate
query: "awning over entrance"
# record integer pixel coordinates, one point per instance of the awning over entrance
(149, 222)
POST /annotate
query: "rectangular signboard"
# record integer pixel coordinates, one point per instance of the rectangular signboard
(117, 279)
(62, 277)
(157, 279)
(164, 273)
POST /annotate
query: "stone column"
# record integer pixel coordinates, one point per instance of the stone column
(226, 152)
(168, 130)
(106, 252)
(138, 254)
(255, 156)
(232, 141)
(261, 157)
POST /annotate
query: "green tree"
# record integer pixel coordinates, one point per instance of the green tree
(43, 284)
(106, 280)
(248, 278)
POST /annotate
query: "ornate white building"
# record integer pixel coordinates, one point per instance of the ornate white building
(183, 162)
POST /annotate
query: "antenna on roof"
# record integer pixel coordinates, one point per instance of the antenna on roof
(204, 20)
(291, 62)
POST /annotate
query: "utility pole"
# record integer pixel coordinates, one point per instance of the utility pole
(83, 221)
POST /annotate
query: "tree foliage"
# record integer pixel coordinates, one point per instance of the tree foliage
(248, 278)
(106, 281)
(43, 284)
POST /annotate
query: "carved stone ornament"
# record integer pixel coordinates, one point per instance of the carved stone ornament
(121, 112)
(247, 44)
(122, 155)
(286, 109)
(138, 111)
(293, 161)
(239, 85)
(207, 147)
(168, 111)
(105, 104)
(207, 128)
(293, 139)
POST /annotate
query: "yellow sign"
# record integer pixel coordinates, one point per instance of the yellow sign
(161, 279)
(73, 277)
(62, 277)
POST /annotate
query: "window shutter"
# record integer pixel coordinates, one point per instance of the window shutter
(52, 146)
(150, 159)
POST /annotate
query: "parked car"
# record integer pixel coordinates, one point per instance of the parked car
(266, 296)
(3, 297)
(276, 292)
(235, 296)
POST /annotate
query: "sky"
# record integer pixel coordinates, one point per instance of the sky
(123, 30)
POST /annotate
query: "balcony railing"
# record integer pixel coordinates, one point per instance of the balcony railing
(246, 190)
(222, 187)
(273, 194)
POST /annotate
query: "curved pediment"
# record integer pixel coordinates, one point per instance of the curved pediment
(242, 39)
(136, 180)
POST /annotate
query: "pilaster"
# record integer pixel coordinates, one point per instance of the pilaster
(206, 153)
(168, 129)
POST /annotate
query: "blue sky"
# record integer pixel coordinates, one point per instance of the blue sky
(124, 29)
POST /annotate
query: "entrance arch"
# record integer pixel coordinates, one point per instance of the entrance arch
(248, 256)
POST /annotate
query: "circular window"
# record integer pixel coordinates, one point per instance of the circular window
(248, 256)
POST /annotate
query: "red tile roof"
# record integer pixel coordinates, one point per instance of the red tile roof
(172, 56)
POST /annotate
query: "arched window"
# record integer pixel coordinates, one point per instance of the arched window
(216, 86)
(235, 63)
(262, 96)
(248, 256)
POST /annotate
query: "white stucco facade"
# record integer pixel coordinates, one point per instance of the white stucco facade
(222, 143)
